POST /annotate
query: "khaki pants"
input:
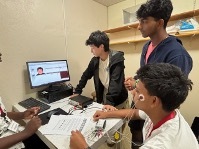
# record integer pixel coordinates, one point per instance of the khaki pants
(123, 105)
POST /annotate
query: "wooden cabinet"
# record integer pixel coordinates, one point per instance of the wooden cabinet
(139, 38)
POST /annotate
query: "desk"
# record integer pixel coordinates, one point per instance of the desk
(61, 141)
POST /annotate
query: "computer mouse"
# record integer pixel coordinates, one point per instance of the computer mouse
(53, 112)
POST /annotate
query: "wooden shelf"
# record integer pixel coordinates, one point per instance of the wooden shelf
(179, 16)
(123, 28)
(178, 34)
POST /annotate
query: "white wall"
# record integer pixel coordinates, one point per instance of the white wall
(132, 51)
(115, 12)
(29, 30)
(82, 19)
(37, 30)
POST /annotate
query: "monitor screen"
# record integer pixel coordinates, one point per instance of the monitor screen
(47, 72)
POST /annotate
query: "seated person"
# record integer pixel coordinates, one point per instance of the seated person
(107, 70)
(11, 139)
(161, 88)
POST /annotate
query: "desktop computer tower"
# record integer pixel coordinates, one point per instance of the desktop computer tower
(49, 96)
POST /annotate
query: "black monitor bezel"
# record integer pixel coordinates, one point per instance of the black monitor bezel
(48, 84)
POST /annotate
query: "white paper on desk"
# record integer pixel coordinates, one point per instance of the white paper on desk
(64, 124)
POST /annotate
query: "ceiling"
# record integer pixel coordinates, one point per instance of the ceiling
(108, 2)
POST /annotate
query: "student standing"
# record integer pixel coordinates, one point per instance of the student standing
(107, 70)
(153, 17)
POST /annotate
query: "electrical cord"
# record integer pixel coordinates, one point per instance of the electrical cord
(72, 109)
(126, 118)
(84, 110)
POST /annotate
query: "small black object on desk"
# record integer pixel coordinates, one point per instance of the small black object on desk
(45, 117)
(49, 96)
(53, 112)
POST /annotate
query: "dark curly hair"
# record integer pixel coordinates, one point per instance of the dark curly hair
(39, 68)
(167, 82)
(97, 38)
(158, 9)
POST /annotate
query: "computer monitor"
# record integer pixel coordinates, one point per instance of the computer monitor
(52, 73)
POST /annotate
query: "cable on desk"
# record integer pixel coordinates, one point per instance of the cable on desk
(95, 133)
(123, 136)
(72, 109)
(84, 110)
(120, 136)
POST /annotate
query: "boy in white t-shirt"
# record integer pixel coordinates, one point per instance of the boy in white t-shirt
(159, 91)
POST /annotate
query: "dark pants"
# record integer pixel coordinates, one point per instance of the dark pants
(195, 127)
(34, 142)
(136, 131)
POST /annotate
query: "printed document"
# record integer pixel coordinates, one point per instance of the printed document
(64, 124)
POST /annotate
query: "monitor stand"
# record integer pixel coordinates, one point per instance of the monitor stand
(53, 88)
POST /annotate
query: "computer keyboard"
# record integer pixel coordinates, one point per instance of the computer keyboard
(32, 102)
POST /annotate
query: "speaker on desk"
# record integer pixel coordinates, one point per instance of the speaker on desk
(52, 96)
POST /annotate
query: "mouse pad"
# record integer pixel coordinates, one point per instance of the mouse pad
(44, 116)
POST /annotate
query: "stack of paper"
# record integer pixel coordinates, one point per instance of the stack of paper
(64, 124)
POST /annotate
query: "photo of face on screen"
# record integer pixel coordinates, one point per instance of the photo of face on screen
(47, 72)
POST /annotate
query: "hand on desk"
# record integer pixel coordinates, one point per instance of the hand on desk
(30, 113)
(100, 115)
(77, 140)
(109, 108)
(73, 95)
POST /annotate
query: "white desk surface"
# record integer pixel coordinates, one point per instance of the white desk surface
(61, 141)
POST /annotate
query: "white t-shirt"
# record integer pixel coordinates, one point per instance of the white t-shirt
(4, 124)
(173, 134)
(104, 76)
(4, 120)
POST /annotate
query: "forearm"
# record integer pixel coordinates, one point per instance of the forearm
(123, 113)
(11, 140)
(87, 75)
(15, 115)
(82, 83)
